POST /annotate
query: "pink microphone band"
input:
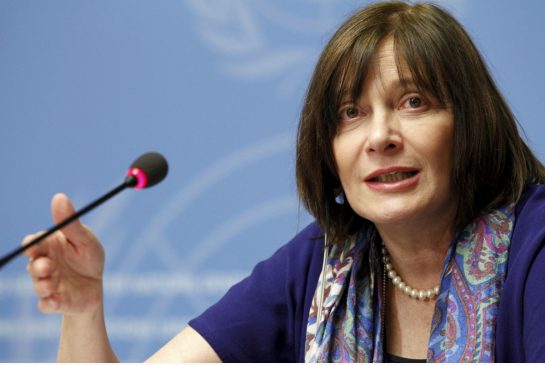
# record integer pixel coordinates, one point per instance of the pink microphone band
(141, 178)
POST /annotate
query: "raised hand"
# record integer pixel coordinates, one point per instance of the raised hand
(67, 266)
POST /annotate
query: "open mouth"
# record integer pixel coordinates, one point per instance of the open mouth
(394, 176)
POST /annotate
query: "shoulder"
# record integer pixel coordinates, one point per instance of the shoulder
(295, 259)
(294, 268)
(262, 318)
(305, 246)
(521, 316)
(529, 227)
(532, 199)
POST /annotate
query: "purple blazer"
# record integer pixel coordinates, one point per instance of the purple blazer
(264, 317)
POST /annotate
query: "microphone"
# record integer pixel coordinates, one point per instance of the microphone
(146, 171)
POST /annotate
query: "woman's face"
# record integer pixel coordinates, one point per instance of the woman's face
(393, 150)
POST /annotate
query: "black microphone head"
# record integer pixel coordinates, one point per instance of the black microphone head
(147, 170)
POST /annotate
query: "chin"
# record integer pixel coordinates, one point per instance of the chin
(386, 214)
(393, 219)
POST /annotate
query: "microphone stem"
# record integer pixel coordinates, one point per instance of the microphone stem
(130, 181)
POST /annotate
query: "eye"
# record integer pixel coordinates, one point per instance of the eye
(414, 102)
(349, 113)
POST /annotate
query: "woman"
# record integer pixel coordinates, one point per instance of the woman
(427, 203)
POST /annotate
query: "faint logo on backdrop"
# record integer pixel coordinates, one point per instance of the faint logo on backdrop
(265, 40)
(272, 40)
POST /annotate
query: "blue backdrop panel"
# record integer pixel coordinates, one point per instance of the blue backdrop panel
(216, 86)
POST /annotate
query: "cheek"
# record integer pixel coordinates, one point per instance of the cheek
(345, 153)
(434, 138)
(441, 152)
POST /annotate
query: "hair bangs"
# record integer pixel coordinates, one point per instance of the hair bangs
(423, 52)
(348, 78)
(419, 66)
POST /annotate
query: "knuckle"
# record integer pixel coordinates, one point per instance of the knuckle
(43, 288)
(49, 304)
(38, 289)
(43, 306)
(43, 266)
(27, 239)
(32, 270)
(36, 269)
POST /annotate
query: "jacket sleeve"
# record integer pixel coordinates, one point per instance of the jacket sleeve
(260, 319)
(534, 309)
(520, 331)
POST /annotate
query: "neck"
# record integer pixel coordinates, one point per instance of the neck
(417, 253)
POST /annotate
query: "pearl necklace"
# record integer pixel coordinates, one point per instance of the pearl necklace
(401, 285)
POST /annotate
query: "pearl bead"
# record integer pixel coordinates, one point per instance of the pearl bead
(430, 293)
(401, 285)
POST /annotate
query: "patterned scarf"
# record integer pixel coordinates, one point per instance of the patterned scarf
(463, 325)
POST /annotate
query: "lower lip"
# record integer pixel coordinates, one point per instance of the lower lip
(393, 186)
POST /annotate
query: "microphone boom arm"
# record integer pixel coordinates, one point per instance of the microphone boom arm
(130, 181)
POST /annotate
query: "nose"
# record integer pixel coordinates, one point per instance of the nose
(384, 134)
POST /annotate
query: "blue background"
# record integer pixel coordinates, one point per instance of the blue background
(216, 86)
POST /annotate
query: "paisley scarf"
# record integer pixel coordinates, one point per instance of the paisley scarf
(462, 330)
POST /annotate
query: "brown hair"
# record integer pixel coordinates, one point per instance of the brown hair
(492, 164)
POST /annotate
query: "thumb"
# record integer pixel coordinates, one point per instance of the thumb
(62, 208)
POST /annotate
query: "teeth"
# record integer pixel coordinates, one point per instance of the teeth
(394, 176)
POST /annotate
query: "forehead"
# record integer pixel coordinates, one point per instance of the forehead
(384, 55)
(384, 67)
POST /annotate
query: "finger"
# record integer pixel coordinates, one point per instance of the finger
(50, 304)
(41, 267)
(62, 208)
(46, 287)
(35, 250)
